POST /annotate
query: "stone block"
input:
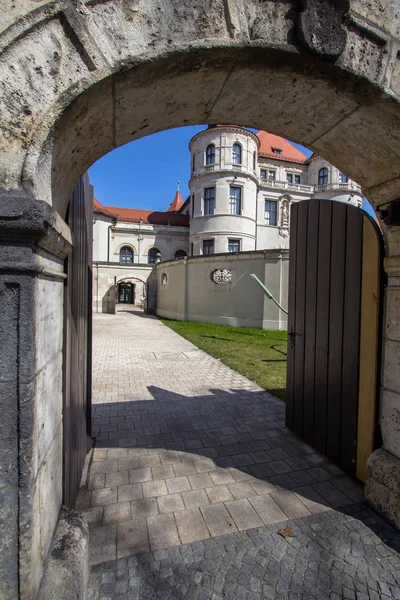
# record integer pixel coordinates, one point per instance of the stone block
(114, 513)
(104, 496)
(267, 509)
(390, 421)
(243, 514)
(162, 532)
(170, 503)
(218, 520)
(67, 569)
(382, 488)
(195, 498)
(132, 538)
(290, 504)
(191, 526)
(50, 492)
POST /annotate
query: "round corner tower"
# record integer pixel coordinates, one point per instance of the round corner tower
(223, 190)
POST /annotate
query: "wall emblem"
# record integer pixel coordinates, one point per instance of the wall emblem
(221, 276)
(320, 26)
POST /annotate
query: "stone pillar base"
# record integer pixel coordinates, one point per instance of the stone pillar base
(67, 570)
(382, 488)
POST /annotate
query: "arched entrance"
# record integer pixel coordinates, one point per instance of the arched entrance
(76, 86)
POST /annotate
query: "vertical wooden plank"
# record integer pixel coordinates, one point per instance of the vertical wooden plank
(77, 340)
(322, 325)
(291, 315)
(368, 346)
(300, 310)
(351, 340)
(336, 302)
(310, 320)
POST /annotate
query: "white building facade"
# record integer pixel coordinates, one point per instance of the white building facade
(241, 189)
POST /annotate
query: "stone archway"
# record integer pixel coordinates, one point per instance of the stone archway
(82, 79)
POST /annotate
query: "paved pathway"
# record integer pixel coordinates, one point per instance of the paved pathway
(194, 475)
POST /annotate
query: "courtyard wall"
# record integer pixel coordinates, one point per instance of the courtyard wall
(218, 289)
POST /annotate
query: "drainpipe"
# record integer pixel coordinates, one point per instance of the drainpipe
(108, 243)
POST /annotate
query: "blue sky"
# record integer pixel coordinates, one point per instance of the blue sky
(144, 173)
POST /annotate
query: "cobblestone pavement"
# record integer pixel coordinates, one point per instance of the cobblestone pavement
(194, 475)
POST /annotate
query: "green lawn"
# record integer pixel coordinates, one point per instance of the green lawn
(258, 354)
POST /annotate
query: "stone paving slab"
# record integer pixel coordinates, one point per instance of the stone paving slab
(189, 452)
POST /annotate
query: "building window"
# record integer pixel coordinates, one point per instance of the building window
(270, 212)
(277, 151)
(154, 256)
(208, 246)
(233, 245)
(323, 176)
(235, 200)
(237, 154)
(126, 255)
(271, 175)
(263, 174)
(193, 162)
(209, 200)
(343, 178)
(192, 202)
(192, 249)
(210, 154)
(254, 161)
(180, 254)
(297, 178)
(289, 177)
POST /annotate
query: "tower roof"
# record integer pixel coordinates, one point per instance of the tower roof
(176, 203)
(270, 142)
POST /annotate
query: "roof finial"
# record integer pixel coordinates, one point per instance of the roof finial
(178, 183)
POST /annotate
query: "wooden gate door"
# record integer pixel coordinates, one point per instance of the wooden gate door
(78, 339)
(333, 330)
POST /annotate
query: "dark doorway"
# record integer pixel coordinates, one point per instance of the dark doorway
(333, 330)
(126, 293)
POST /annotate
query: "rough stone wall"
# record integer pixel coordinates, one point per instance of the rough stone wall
(80, 78)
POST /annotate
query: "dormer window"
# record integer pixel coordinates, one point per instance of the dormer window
(323, 176)
(277, 151)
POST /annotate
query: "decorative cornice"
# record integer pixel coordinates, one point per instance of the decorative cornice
(226, 128)
(23, 217)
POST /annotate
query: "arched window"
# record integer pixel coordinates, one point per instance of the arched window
(323, 176)
(126, 255)
(210, 154)
(180, 254)
(237, 154)
(154, 255)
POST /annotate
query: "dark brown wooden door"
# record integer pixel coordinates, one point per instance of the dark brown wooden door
(334, 285)
(78, 339)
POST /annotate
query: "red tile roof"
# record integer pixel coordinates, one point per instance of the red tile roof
(268, 141)
(176, 203)
(133, 215)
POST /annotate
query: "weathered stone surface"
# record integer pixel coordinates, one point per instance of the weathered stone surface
(320, 26)
(390, 421)
(382, 488)
(67, 568)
